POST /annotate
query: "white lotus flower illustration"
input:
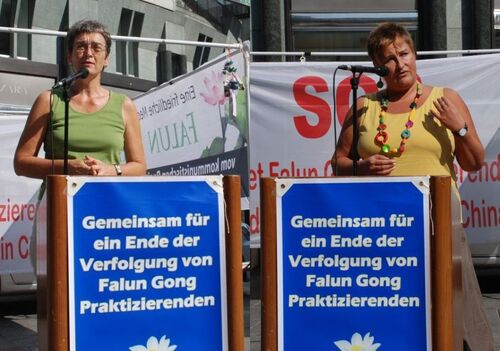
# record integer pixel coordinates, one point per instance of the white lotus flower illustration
(154, 345)
(358, 343)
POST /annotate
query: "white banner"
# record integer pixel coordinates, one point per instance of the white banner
(190, 128)
(293, 134)
(193, 126)
(18, 197)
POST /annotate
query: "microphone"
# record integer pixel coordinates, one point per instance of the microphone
(83, 73)
(381, 71)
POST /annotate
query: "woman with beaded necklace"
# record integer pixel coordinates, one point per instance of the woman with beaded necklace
(408, 128)
(412, 129)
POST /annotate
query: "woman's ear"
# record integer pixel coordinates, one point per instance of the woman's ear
(106, 62)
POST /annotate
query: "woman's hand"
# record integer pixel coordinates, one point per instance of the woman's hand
(79, 167)
(448, 114)
(99, 168)
(453, 113)
(376, 165)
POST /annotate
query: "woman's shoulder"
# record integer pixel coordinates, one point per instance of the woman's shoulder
(436, 90)
(44, 96)
(439, 91)
(123, 98)
(371, 98)
(117, 96)
(56, 93)
(119, 99)
(43, 100)
(125, 102)
(449, 92)
(454, 96)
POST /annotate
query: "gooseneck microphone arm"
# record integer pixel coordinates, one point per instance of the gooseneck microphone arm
(83, 73)
(380, 70)
(65, 83)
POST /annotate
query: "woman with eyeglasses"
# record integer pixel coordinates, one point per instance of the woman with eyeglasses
(104, 131)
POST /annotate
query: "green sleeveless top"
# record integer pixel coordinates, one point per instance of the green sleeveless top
(99, 134)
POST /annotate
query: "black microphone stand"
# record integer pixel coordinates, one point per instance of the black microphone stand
(354, 88)
(66, 85)
(66, 96)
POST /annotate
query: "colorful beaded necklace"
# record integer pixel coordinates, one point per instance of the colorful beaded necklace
(382, 136)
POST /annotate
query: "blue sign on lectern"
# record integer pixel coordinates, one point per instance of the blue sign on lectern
(146, 264)
(353, 264)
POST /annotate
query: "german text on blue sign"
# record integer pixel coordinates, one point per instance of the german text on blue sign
(353, 264)
(147, 263)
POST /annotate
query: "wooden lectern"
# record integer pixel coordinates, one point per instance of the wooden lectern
(445, 268)
(53, 306)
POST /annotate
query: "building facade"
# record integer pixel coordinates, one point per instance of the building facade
(138, 65)
(343, 25)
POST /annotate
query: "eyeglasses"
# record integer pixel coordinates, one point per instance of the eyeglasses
(96, 48)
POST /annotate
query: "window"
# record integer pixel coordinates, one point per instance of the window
(170, 65)
(345, 32)
(496, 16)
(5, 21)
(16, 13)
(127, 52)
(202, 52)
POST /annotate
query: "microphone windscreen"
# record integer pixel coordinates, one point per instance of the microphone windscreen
(84, 72)
(383, 71)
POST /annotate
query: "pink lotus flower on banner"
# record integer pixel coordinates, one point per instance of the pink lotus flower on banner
(358, 343)
(154, 344)
(214, 94)
(230, 101)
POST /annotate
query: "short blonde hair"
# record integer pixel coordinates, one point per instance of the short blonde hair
(386, 34)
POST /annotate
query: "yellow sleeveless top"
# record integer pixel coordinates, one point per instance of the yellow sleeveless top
(428, 151)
